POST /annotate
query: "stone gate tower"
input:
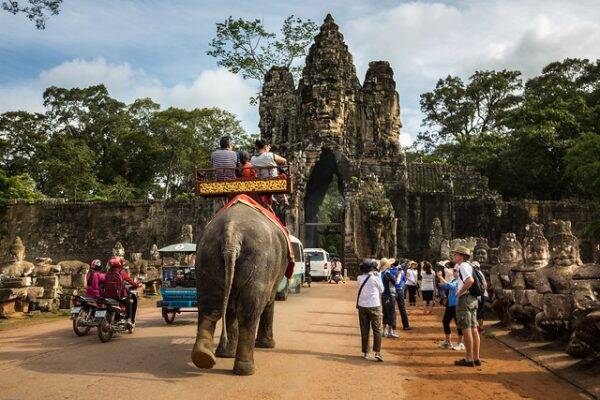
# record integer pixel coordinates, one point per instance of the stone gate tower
(331, 126)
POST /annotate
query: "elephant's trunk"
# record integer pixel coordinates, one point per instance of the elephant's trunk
(231, 248)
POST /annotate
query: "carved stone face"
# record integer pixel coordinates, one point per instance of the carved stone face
(118, 250)
(481, 255)
(510, 251)
(154, 254)
(537, 254)
(564, 251)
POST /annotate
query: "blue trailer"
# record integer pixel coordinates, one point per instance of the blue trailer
(178, 287)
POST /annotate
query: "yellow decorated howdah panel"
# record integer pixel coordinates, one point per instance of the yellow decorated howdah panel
(219, 188)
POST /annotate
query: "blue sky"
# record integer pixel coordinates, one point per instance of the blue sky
(158, 48)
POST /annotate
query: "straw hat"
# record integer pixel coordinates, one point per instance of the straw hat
(385, 263)
(462, 250)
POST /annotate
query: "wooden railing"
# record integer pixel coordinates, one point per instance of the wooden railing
(250, 180)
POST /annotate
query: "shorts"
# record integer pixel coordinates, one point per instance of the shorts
(466, 312)
(427, 295)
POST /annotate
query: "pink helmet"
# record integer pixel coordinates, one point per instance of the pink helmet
(115, 262)
(96, 264)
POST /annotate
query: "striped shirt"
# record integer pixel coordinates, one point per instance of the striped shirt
(224, 163)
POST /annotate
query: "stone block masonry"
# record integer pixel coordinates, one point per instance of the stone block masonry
(87, 230)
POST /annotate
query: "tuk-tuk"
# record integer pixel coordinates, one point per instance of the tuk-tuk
(178, 287)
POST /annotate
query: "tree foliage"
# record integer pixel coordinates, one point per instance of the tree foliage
(36, 10)
(248, 48)
(518, 135)
(88, 145)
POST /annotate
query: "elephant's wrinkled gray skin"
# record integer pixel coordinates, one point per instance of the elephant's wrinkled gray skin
(242, 256)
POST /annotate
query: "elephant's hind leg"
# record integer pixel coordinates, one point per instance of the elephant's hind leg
(248, 315)
(202, 353)
(264, 337)
(226, 349)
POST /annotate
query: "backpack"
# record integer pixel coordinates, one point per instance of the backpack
(113, 284)
(477, 289)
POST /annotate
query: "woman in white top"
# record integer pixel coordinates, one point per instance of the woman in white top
(264, 159)
(368, 303)
(427, 287)
(412, 276)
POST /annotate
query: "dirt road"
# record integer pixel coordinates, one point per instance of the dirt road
(317, 357)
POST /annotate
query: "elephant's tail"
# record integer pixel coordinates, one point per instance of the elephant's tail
(231, 248)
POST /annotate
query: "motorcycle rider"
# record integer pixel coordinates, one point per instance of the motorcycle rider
(307, 275)
(115, 287)
(95, 280)
(336, 270)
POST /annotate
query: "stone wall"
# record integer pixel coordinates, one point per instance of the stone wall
(86, 230)
(487, 217)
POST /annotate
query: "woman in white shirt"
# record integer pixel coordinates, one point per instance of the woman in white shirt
(412, 276)
(427, 287)
(368, 303)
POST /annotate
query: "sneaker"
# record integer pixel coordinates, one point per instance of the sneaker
(394, 335)
(366, 356)
(408, 328)
(385, 334)
(459, 347)
(378, 357)
(477, 363)
(464, 363)
(445, 345)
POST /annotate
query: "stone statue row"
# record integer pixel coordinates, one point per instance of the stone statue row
(46, 286)
(543, 285)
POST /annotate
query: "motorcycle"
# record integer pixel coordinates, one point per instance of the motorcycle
(83, 314)
(111, 318)
(336, 276)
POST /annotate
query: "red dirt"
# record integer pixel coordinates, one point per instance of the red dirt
(317, 356)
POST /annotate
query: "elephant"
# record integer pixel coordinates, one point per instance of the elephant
(242, 256)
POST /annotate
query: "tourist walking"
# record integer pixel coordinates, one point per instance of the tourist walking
(388, 298)
(412, 276)
(400, 275)
(427, 287)
(466, 308)
(368, 303)
(450, 311)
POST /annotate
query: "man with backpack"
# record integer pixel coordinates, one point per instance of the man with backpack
(470, 286)
(114, 287)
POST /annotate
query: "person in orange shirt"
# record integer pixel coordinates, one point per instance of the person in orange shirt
(247, 171)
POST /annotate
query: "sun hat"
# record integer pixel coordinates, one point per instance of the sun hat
(385, 263)
(462, 250)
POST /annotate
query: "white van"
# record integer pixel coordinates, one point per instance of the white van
(320, 263)
(294, 284)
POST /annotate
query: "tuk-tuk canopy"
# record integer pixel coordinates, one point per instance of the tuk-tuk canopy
(179, 248)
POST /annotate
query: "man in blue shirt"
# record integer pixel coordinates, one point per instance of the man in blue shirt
(400, 276)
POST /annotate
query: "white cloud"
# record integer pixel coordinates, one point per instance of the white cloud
(425, 41)
(211, 88)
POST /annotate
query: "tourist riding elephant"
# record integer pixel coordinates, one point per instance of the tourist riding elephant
(242, 256)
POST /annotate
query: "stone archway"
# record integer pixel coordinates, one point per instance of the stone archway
(324, 172)
(330, 126)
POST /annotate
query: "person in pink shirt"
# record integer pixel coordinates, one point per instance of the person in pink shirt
(95, 278)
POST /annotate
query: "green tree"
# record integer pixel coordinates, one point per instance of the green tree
(17, 187)
(69, 168)
(248, 48)
(36, 10)
(186, 140)
(118, 135)
(583, 164)
(22, 134)
(457, 113)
